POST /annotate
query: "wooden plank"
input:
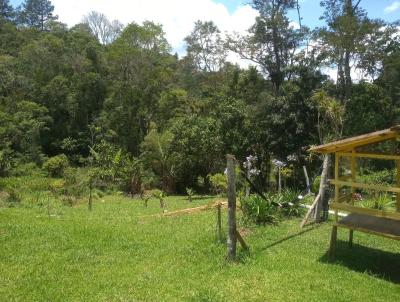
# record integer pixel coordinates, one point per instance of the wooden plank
(355, 141)
(370, 155)
(365, 186)
(241, 240)
(365, 211)
(337, 187)
(398, 184)
(367, 231)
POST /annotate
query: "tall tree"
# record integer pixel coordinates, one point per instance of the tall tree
(352, 39)
(272, 41)
(6, 10)
(37, 14)
(205, 47)
(102, 28)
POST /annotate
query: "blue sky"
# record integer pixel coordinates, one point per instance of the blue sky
(178, 16)
(311, 10)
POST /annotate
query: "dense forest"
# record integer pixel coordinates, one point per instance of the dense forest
(113, 99)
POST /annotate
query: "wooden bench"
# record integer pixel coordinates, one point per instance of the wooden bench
(371, 221)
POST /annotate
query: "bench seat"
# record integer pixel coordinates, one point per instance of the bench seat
(370, 224)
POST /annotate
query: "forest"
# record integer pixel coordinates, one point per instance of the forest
(113, 99)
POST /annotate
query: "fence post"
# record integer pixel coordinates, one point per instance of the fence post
(219, 223)
(231, 242)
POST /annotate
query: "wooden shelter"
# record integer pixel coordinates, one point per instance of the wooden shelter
(379, 222)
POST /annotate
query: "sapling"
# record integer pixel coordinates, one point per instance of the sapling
(190, 194)
(160, 195)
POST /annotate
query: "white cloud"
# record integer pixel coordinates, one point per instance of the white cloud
(392, 7)
(176, 16)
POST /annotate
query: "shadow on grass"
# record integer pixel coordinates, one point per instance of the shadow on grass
(308, 229)
(377, 263)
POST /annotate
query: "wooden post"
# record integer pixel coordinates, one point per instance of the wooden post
(398, 184)
(337, 188)
(353, 179)
(231, 241)
(307, 180)
(219, 223)
(323, 187)
(279, 180)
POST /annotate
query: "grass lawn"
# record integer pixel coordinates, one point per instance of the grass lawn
(119, 253)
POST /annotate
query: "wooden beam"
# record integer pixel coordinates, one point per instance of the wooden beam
(365, 186)
(365, 211)
(232, 238)
(337, 187)
(371, 155)
(398, 184)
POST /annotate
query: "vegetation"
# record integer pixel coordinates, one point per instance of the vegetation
(128, 255)
(106, 94)
(104, 116)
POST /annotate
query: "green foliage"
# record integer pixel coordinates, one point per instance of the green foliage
(160, 195)
(276, 206)
(190, 194)
(382, 202)
(37, 14)
(257, 210)
(291, 204)
(56, 165)
(384, 177)
(219, 183)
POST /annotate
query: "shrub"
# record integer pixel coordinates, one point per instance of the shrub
(28, 169)
(256, 209)
(55, 166)
(14, 196)
(218, 182)
(315, 184)
(291, 205)
(382, 202)
(190, 194)
(160, 195)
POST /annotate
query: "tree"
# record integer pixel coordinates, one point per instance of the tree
(140, 69)
(37, 14)
(205, 47)
(352, 39)
(104, 30)
(6, 10)
(156, 151)
(272, 41)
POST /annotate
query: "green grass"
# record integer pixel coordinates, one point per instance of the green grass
(119, 253)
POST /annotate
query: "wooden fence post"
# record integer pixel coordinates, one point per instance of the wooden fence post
(323, 189)
(231, 242)
(219, 223)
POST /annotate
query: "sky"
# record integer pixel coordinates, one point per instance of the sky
(178, 16)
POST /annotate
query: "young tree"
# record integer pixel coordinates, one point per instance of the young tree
(205, 47)
(37, 14)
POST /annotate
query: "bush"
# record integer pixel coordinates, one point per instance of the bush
(14, 196)
(382, 202)
(260, 211)
(160, 195)
(219, 183)
(55, 166)
(256, 209)
(28, 169)
(291, 205)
